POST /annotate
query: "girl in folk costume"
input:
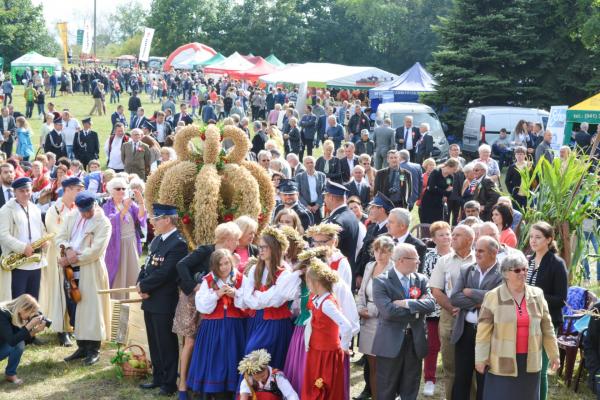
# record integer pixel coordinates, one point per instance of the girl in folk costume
(267, 288)
(327, 235)
(261, 382)
(222, 335)
(329, 337)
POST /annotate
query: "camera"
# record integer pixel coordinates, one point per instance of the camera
(45, 320)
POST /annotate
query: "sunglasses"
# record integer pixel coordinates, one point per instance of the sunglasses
(120, 188)
(519, 270)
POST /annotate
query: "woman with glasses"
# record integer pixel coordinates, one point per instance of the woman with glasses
(128, 218)
(514, 328)
(267, 288)
(370, 171)
(548, 272)
(191, 270)
(326, 235)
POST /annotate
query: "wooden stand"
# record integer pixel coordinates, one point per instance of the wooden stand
(127, 322)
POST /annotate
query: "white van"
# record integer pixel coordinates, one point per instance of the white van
(483, 124)
(421, 113)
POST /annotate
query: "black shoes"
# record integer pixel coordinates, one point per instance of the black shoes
(166, 392)
(364, 395)
(79, 354)
(64, 339)
(92, 353)
(150, 385)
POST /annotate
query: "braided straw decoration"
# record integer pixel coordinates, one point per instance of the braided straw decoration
(206, 204)
(266, 191)
(241, 144)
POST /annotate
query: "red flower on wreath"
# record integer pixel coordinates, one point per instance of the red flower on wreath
(261, 217)
(228, 218)
(186, 219)
(414, 292)
(203, 136)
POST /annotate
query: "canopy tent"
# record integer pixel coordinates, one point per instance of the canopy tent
(329, 75)
(217, 58)
(407, 87)
(34, 60)
(187, 54)
(234, 63)
(271, 59)
(586, 111)
(193, 62)
(252, 58)
(262, 67)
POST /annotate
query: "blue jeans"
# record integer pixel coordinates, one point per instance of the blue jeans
(14, 357)
(70, 153)
(590, 237)
(132, 116)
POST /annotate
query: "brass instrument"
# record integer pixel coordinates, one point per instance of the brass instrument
(15, 260)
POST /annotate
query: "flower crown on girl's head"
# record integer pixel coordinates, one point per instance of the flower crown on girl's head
(292, 235)
(254, 362)
(278, 235)
(322, 271)
(324, 229)
(321, 252)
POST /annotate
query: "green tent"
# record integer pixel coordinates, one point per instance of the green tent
(586, 111)
(33, 61)
(217, 58)
(274, 61)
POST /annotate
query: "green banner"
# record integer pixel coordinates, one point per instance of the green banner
(80, 37)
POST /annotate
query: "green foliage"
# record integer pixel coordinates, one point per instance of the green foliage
(562, 195)
(23, 29)
(128, 20)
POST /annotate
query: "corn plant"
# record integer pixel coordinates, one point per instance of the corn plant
(562, 194)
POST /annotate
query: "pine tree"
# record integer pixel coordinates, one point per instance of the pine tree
(485, 58)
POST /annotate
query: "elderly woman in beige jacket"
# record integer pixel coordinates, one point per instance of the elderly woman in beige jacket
(85, 235)
(514, 325)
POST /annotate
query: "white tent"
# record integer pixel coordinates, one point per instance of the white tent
(33, 59)
(234, 63)
(330, 75)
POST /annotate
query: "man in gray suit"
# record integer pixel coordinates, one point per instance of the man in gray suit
(136, 155)
(471, 286)
(416, 173)
(384, 138)
(545, 148)
(311, 185)
(403, 299)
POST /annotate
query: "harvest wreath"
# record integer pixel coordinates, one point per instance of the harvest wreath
(210, 185)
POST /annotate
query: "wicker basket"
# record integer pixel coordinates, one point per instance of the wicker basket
(141, 356)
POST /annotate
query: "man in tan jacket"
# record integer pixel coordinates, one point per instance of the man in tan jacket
(136, 155)
(85, 235)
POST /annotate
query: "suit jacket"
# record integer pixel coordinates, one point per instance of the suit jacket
(384, 138)
(335, 173)
(55, 143)
(345, 168)
(297, 171)
(363, 147)
(382, 184)
(349, 235)
(304, 190)
(469, 278)
(364, 255)
(11, 126)
(308, 123)
(421, 249)
(416, 174)
(485, 193)
(178, 117)
(552, 278)
(86, 147)
(138, 122)
(424, 148)
(416, 136)
(394, 320)
(158, 276)
(136, 162)
(363, 191)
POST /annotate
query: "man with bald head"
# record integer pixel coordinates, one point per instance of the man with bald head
(473, 282)
(442, 281)
(136, 155)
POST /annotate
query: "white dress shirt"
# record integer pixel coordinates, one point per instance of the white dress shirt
(115, 153)
(473, 316)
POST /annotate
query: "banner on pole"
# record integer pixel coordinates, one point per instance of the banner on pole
(86, 46)
(556, 124)
(63, 34)
(79, 37)
(146, 43)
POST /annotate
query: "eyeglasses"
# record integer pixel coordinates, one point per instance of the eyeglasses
(318, 243)
(263, 247)
(120, 188)
(519, 270)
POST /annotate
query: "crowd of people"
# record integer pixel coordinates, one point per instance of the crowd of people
(277, 313)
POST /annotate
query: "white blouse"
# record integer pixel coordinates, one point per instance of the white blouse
(207, 298)
(332, 311)
(286, 288)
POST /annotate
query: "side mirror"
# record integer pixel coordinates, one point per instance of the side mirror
(444, 127)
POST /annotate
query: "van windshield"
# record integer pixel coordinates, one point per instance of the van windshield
(418, 119)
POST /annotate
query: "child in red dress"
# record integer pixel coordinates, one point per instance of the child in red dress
(261, 382)
(324, 374)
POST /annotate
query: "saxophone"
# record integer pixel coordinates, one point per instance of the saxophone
(15, 260)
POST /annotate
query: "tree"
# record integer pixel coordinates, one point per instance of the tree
(486, 57)
(128, 20)
(23, 29)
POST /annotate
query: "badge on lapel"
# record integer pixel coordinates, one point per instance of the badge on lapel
(414, 292)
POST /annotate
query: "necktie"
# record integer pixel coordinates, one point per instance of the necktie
(405, 284)
(396, 241)
(9, 194)
(472, 185)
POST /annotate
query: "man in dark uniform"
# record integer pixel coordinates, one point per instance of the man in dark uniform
(55, 141)
(288, 191)
(340, 214)
(394, 182)
(157, 285)
(379, 209)
(86, 145)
